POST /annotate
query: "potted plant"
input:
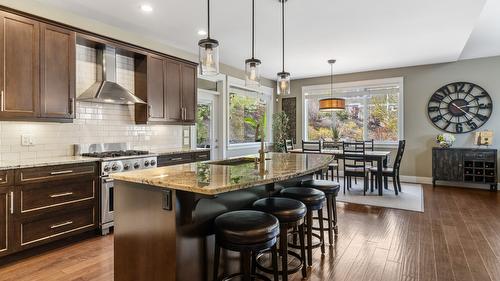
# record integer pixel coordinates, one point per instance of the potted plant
(280, 130)
(445, 140)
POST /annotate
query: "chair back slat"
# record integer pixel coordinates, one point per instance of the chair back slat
(354, 154)
(311, 146)
(399, 155)
(288, 146)
(332, 145)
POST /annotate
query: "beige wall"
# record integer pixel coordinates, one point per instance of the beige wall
(419, 84)
(53, 13)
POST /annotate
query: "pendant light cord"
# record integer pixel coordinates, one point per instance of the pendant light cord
(253, 28)
(283, 32)
(331, 80)
(208, 18)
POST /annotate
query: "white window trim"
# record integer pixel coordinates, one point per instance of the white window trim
(361, 84)
(266, 91)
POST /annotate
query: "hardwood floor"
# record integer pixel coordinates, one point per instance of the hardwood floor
(457, 238)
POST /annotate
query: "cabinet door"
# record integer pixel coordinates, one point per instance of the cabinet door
(174, 90)
(19, 49)
(189, 85)
(448, 164)
(4, 220)
(57, 72)
(156, 89)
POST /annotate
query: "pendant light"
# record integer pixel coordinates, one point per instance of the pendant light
(283, 80)
(209, 52)
(252, 65)
(331, 103)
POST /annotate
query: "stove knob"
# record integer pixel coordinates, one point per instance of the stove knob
(136, 165)
(146, 163)
(153, 163)
(106, 168)
(114, 167)
(126, 166)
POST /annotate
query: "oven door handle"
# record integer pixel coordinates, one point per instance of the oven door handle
(107, 180)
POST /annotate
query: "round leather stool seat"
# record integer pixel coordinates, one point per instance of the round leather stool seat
(311, 197)
(246, 227)
(285, 209)
(328, 187)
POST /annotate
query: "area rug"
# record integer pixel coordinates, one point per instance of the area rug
(411, 198)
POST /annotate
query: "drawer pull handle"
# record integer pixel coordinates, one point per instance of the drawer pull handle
(12, 202)
(61, 194)
(177, 159)
(61, 172)
(61, 224)
(202, 156)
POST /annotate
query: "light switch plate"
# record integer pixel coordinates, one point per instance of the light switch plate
(27, 140)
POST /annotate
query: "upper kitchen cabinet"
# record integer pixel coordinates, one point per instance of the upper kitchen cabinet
(171, 91)
(19, 61)
(57, 72)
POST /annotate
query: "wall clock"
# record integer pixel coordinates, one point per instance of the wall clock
(459, 107)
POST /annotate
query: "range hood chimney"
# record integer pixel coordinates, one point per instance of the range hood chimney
(105, 89)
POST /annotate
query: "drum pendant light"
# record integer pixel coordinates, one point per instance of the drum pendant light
(252, 65)
(331, 103)
(209, 52)
(283, 79)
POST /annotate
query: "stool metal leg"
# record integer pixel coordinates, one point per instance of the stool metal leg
(309, 223)
(329, 209)
(216, 262)
(274, 251)
(303, 250)
(322, 230)
(284, 253)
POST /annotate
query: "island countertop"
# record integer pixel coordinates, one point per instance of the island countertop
(214, 177)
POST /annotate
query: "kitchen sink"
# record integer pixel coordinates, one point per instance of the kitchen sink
(235, 161)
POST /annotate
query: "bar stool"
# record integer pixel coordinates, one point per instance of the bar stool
(313, 199)
(247, 232)
(290, 214)
(331, 190)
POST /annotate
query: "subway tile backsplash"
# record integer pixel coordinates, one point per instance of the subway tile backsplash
(94, 122)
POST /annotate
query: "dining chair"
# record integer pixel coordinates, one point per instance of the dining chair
(369, 146)
(355, 164)
(288, 146)
(313, 147)
(392, 172)
(334, 166)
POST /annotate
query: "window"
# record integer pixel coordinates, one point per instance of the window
(203, 125)
(373, 111)
(248, 112)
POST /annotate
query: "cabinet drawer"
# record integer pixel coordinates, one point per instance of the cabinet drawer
(24, 176)
(202, 156)
(46, 195)
(174, 159)
(479, 155)
(57, 225)
(6, 178)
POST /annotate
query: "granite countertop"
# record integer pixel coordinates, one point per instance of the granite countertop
(210, 178)
(30, 163)
(160, 152)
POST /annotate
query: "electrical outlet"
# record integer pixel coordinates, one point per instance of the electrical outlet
(27, 140)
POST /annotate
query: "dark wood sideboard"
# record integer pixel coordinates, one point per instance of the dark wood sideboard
(468, 165)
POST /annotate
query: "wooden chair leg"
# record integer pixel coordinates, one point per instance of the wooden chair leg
(395, 185)
(309, 236)
(329, 209)
(335, 227)
(303, 250)
(371, 182)
(338, 175)
(399, 183)
(344, 184)
(216, 262)
(322, 231)
(284, 254)
(386, 185)
(246, 266)
(274, 254)
(254, 264)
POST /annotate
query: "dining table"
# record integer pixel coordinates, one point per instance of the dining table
(378, 156)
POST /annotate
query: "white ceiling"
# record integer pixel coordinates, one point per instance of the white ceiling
(361, 34)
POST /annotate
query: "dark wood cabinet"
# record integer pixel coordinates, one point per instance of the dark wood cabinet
(156, 97)
(19, 67)
(467, 165)
(182, 158)
(174, 90)
(57, 72)
(4, 220)
(189, 93)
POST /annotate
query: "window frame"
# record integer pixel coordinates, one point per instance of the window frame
(263, 91)
(319, 91)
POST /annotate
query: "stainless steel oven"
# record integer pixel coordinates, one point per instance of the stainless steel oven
(107, 206)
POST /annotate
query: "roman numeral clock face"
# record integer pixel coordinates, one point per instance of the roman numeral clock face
(459, 107)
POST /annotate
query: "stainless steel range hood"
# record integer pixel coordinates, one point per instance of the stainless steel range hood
(105, 89)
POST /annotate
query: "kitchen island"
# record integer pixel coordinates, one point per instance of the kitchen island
(164, 216)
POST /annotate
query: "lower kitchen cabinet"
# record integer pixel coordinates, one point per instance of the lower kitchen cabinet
(182, 158)
(44, 204)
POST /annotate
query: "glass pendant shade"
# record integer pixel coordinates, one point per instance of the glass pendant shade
(209, 56)
(283, 84)
(331, 104)
(252, 73)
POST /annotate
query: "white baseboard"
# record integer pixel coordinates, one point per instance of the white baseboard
(415, 179)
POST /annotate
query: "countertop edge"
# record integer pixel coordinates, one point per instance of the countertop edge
(46, 164)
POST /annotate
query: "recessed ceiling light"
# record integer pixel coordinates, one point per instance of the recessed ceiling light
(146, 8)
(202, 32)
